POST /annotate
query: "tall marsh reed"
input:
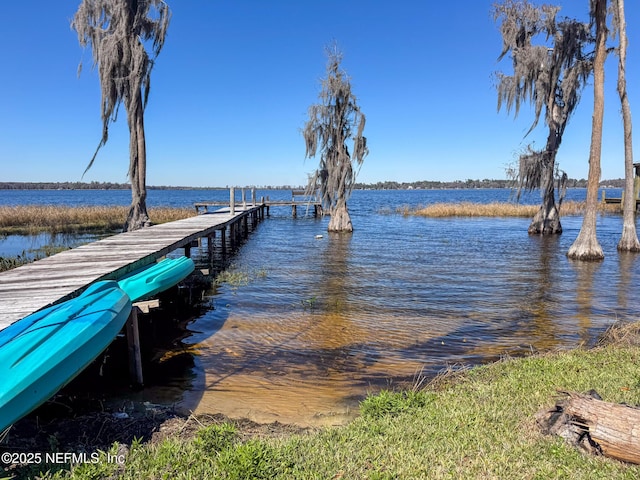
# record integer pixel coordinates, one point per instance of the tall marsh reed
(495, 209)
(31, 219)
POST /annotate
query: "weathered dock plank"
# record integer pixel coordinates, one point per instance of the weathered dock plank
(29, 288)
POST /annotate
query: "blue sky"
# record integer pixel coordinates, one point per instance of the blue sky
(231, 89)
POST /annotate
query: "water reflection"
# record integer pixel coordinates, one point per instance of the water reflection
(586, 273)
(627, 264)
(545, 267)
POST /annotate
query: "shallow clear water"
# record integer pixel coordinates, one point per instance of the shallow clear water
(318, 323)
(324, 321)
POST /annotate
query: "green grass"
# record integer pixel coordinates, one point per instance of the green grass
(236, 277)
(475, 424)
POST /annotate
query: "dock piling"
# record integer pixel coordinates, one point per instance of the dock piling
(133, 344)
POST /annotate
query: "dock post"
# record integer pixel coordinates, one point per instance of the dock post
(294, 210)
(253, 197)
(636, 185)
(223, 238)
(210, 240)
(244, 199)
(133, 343)
(232, 200)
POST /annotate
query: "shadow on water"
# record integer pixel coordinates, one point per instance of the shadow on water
(168, 362)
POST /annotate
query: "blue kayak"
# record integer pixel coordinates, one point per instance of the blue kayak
(153, 279)
(43, 352)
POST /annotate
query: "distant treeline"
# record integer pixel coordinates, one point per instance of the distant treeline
(78, 186)
(388, 185)
(458, 184)
(469, 183)
(111, 186)
(64, 186)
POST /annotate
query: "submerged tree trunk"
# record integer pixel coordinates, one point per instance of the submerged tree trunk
(547, 220)
(586, 246)
(138, 216)
(340, 220)
(629, 240)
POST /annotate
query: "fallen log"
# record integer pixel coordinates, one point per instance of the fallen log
(598, 427)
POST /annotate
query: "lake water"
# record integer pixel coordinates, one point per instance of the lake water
(317, 323)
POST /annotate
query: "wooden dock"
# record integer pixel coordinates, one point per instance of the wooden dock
(29, 288)
(299, 198)
(636, 191)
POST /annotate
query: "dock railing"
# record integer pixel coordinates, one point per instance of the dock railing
(299, 198)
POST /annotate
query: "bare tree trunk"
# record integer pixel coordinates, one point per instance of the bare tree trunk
(547, 220)
(340, 219)
(138, 216)
(629, 240)
(586, 246)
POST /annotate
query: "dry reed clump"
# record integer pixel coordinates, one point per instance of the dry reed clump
(495, 209)
(62, 219)
(165, 214)
(621, 334)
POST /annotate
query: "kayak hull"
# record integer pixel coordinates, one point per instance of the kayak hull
(43, 352)
(151, 280)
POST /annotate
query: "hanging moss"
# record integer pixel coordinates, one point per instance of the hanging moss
(332, 123)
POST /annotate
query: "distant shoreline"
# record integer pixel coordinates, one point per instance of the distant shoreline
(387, 185)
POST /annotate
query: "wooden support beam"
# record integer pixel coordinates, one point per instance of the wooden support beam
(133, 343)
(210, 240)
(147, 305)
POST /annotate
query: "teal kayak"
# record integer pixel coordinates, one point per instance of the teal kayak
(153, 279)
(61, 309)
(43, 352)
